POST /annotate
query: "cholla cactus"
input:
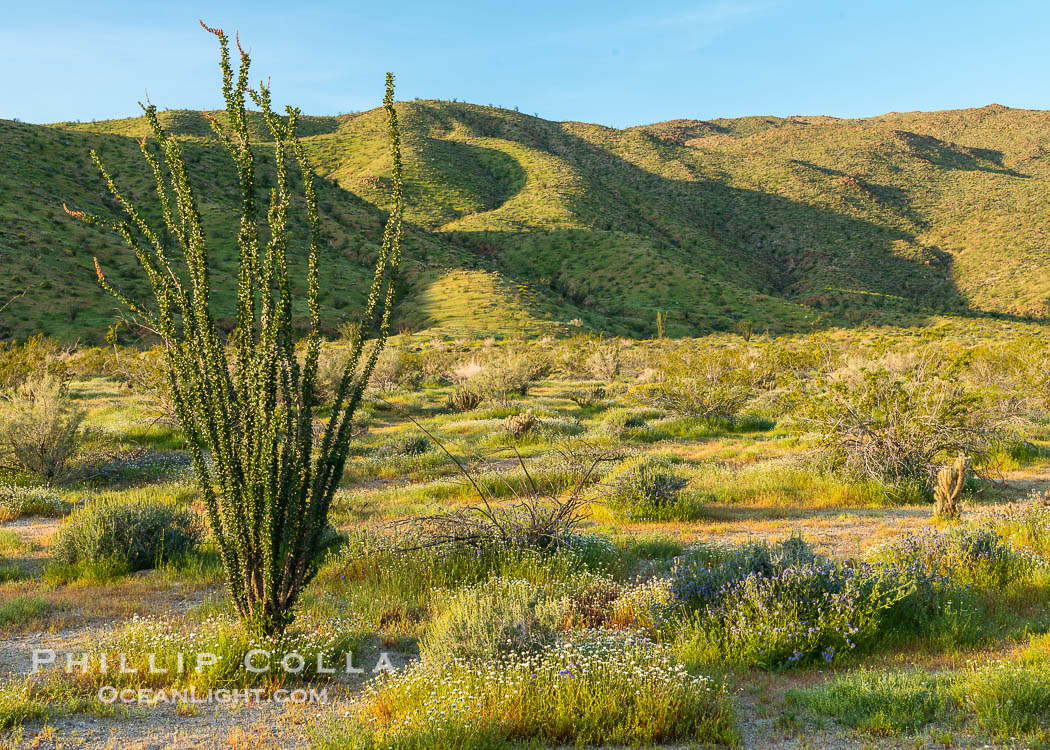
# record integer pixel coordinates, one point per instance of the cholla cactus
(950, 482)
(247, 404)
(521, 424)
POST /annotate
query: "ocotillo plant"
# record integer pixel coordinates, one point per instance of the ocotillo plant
(247, 404)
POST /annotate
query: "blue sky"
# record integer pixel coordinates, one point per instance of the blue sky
(615, 62)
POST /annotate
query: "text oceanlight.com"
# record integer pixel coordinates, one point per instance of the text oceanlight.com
(110, 694)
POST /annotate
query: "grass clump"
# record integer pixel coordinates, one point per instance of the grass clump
(1005, 699)
(132, 532)
(880, 702)
(28, 699)
(23, 609)
(495, 617)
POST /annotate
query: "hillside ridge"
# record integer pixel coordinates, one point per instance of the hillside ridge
(786, 224)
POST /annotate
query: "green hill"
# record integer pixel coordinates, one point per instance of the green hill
(524, 225)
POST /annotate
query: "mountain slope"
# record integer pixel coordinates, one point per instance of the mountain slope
(521, 224)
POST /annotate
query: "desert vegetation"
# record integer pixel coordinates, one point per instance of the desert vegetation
(554, 551)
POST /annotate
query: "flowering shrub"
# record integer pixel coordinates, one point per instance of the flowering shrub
(17, 502)
(978, 557)
(780, 604)
(640, 605)
(1026, 524)
(804, 613)
(700, 578)
(592, 687)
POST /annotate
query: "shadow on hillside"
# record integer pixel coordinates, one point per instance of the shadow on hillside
(951, 156)
(849, 270)
(488, 173)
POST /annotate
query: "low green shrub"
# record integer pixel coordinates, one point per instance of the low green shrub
(40, 426)
(617, 421)
(900, 428)
(689, 397)
(508, 375)
(33, 357)
(89, 572)
(138, 533)
(36, 699)
(397, 370)
(648, 489)
(1008, 699)
(709, 383)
